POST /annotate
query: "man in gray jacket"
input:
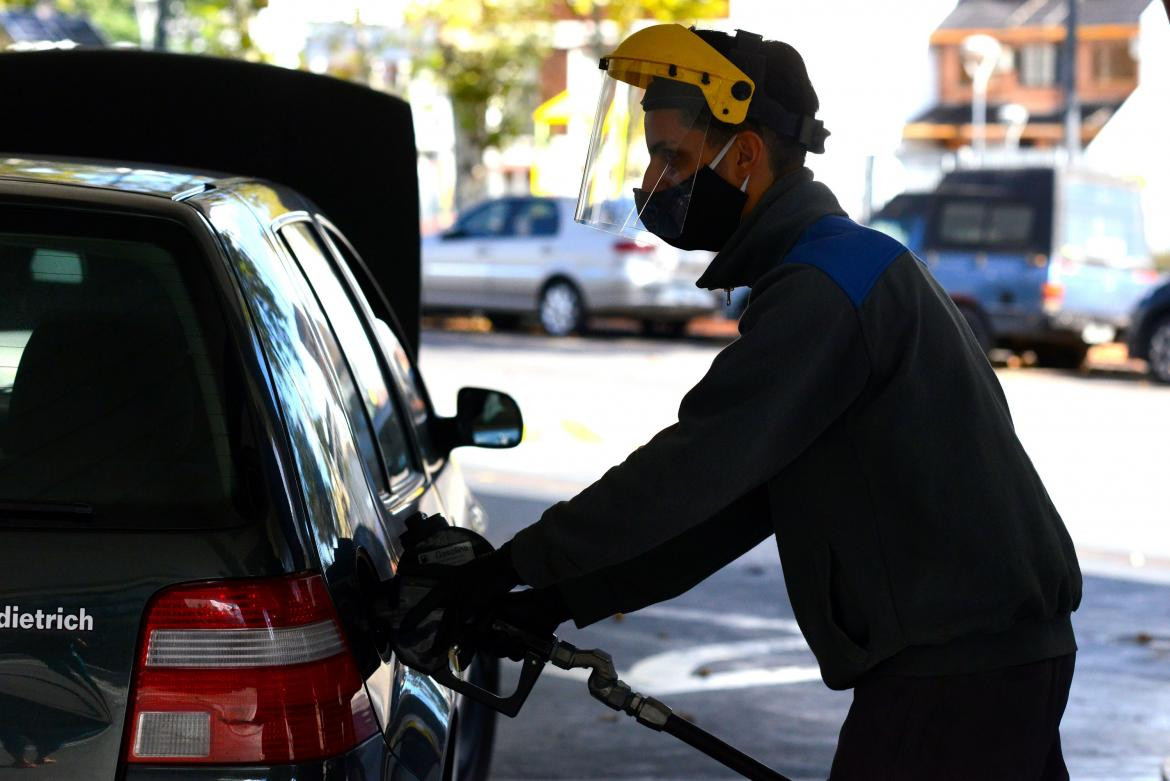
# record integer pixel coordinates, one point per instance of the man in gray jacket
(855, 418)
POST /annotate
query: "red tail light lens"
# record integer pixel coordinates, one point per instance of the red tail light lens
(627, 247)
(1053, 296)
(246, 671)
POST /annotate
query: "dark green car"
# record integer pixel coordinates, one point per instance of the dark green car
(212, 429)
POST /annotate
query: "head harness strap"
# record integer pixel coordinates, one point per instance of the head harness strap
(749, 56)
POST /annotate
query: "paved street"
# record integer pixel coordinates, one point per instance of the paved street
(728, 653)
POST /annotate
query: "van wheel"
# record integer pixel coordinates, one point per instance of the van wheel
(1159, 351)
(561, 310)
(978, 327)
(1061, 356)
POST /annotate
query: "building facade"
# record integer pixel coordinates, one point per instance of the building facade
(1025, 94)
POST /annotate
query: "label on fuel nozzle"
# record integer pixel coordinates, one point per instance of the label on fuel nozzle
(451, 555)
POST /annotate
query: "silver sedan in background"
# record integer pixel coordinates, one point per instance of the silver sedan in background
(520, 257)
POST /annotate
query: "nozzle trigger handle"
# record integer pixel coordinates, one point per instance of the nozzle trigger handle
(510, 705)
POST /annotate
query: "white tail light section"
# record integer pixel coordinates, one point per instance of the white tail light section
(243, 647)
(173, 734)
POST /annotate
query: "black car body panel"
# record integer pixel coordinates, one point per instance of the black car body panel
(317, 134)
(330, 504)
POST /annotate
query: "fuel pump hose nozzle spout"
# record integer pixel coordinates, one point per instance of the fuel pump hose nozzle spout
(605, 686)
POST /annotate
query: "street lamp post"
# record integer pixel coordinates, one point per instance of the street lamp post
(1016, 117)
(981, 54)
(1072, 105)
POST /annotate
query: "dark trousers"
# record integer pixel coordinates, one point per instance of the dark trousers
(1000, 725)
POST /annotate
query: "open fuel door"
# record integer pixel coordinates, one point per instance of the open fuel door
(348, 148)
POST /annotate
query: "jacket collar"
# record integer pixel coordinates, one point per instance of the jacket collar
(767, 234)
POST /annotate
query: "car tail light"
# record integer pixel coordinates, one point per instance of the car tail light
(1053, 296)
(626, 247)
(246, 671)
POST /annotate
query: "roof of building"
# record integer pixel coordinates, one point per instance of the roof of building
(998, 14)
(960, 114)
(32, 27)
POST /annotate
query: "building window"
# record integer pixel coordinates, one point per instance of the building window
(1037, 64)
(1113, 62)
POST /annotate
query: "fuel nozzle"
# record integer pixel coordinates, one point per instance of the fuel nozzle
(426, 633)
(419, 526)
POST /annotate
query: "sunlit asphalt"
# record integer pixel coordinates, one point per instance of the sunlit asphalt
(727, 654)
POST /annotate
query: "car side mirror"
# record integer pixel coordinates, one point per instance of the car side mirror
(484, 418)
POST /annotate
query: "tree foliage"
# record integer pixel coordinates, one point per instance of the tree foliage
(487, 53)
(626, 12)
(217, 27)
(115, 19)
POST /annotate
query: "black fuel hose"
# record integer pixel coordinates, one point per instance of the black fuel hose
(715, 748)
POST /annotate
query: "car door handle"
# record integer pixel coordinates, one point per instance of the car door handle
(546, 249)
(482, 251)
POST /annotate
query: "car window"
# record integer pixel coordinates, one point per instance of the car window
(961, 222)
(117, 389)
(1104, 223)
(1009, 224)
(487, 221)
(407, 378)
(376, 406)
(535, 218)
(403, 371)
(986, 225)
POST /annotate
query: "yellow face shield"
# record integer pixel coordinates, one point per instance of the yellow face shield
(650, 129)
(671, 51)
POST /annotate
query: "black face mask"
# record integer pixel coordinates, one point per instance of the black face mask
(700, 212)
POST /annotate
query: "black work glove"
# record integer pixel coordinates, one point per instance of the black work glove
(464, 592)
(536, 612)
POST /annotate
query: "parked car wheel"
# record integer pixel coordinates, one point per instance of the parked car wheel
(1159, 351)
(562, 310)
(1061, 356)
(671, 329)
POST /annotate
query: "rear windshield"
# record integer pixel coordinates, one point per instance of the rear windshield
(118, 402)
(986, 225)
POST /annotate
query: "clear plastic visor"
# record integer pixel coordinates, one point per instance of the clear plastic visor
(641, 164)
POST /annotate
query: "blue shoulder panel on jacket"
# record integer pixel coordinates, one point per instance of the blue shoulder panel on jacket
(852, 255)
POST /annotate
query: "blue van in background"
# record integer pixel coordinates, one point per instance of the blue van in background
(1037, 259)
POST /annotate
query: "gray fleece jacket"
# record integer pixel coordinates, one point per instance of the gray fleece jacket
(857, 420)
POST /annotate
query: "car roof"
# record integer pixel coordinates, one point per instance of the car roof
(163, 181)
